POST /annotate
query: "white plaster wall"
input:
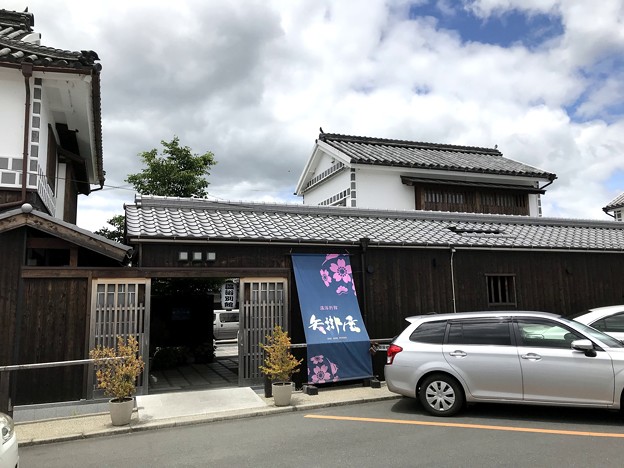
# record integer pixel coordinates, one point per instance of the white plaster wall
(12, 95)
(381, 189)
(337, 183)
(533, 205)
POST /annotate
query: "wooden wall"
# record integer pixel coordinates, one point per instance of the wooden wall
(9, 274)
(565, 283)
(400, 282)
(10, 196)
(54, 328)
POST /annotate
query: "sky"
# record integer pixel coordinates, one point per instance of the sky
(253, 81)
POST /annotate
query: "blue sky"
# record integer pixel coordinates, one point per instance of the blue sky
(509, 28)
(252, 81)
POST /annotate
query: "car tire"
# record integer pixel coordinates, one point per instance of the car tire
(441, 395)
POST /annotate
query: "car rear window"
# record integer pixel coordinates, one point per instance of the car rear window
(429, 332)
(229, 317)
(480, 333)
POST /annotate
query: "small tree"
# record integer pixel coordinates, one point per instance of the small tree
(176, 173)
(279, 364)
(118, 368)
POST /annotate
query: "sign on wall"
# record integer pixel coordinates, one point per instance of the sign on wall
(229, 293)
(337, 342)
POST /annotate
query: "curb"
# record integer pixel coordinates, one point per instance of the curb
(139, 426)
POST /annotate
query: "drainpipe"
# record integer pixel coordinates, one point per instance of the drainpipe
(364, 244)
(453, 281)
(543, 187)
(27, 71)
(608, 214)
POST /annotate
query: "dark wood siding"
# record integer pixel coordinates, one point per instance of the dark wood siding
(12, 260)
(400, 282)
(71, 196)
(54, 328)
(404, 282)
(559, 282)
(431, 197)
(10, 196)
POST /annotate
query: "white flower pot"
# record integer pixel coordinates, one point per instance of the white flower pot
(282, 391)
(121, 411)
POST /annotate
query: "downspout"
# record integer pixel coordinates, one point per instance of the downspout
(453, 281)
(364, 244)
(27, 71)
(542, 188)
(608, 214)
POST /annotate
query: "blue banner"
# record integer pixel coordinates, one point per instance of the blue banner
(337, 342)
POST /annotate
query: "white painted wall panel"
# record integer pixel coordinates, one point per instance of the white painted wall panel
(336, 184)
(382, 190)
(12, 95)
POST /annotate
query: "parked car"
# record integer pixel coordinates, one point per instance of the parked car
(448, 360)
(9, 457)
(608, 319)
(225, 324)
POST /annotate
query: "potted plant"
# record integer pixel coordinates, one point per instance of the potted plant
(117, 372)
(279, 365)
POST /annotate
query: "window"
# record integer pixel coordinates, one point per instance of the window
(614, 323)
(447, 197)
(545, 334)
(501, 289)
(429, 332)
(480, 332)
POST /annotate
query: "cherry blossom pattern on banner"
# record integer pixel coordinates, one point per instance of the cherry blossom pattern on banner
(340, 273)
(322, 370)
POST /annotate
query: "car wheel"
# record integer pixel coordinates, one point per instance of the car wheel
(441, 395)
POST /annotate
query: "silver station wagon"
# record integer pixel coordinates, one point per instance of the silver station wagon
(447, 360)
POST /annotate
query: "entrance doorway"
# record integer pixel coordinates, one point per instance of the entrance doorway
(263, 305)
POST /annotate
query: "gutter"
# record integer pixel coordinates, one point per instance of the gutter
(27, 71)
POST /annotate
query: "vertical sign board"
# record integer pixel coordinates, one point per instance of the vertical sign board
(337, 342)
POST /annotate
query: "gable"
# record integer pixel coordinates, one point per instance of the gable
(413, 156)
(65, 232)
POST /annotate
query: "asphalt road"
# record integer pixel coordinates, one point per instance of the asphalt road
(394, 433)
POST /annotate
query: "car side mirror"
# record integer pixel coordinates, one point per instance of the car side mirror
(584, 345)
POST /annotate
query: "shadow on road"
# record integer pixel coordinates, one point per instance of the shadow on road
(511, 414)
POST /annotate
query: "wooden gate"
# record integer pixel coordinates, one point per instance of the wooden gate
(262, 305)
(120, 307)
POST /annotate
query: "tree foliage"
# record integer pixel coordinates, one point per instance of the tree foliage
(118, 367)
(176, 173)
(279, 363)
(117, 233)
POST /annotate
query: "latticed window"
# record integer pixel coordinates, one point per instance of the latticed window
(447, 197)
(501, 289)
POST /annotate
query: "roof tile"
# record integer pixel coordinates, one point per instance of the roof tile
(385, 152)
(162, 217)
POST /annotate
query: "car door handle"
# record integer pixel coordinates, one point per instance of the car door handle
(458, 354)
(532, 357)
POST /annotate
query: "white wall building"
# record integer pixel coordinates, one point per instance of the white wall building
(50, 121)
(378, 173)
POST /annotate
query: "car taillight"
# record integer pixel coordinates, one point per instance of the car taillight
(393, 350)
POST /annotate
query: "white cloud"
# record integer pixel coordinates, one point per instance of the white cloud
(253, 81)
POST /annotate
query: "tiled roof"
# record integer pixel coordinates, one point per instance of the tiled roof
(184, 218)
(617, 202)
(26, 216)
(383, 152)
(18, 43)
